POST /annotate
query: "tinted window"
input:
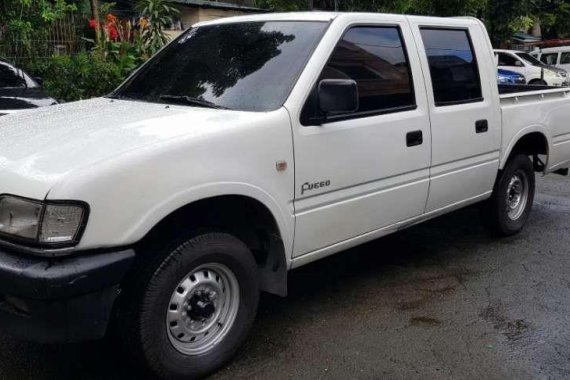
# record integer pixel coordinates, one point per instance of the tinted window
(549, 58)
(565, 58)
(529, 59)
(9, 77)
(452, 65)
(374, 57)
(248, 66)
(508, 60)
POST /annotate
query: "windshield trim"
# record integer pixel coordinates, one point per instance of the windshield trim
(115, 93)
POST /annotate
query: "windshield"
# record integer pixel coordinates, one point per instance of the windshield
(248, 66)
(530, 59)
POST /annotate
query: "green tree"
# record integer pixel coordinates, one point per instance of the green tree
(24, 21)
(159, 15)
(554, 17)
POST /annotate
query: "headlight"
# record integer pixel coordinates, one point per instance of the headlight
(552, 74)
(44, 223)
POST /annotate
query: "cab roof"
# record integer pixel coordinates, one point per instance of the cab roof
(325, 17)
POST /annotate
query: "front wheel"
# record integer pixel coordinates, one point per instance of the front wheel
(193, 310)
(537, 82)
(508, 209)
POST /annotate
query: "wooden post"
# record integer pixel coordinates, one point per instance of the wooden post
(95, 14)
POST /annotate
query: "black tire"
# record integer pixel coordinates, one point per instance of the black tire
(537, 82)
(142, 320)
(495, 211)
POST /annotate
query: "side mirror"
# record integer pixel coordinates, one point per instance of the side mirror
(518, 64)
(338, 96)
(39, 80)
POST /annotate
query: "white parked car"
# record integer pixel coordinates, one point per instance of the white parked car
(535, 72)
(250, 146)
(555, 56)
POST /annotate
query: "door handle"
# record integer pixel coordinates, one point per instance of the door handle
(481, 126)
(414, 138)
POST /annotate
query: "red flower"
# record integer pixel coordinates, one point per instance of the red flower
(113, 33)
(110, 18)
(92, 24)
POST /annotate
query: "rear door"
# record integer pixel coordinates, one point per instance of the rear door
(359, 172)
(465, 119)
(550, 59)
(565, 60)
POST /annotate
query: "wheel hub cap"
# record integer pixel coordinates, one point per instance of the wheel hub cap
(517, 195)
(202, 309)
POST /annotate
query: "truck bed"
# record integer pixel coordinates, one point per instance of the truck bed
(543, 109)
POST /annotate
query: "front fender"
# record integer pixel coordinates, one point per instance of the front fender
(283, 218)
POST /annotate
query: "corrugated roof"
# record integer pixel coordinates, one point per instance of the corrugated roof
(520, 36)
(218, 5)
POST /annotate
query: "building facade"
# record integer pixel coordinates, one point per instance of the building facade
(193, 11)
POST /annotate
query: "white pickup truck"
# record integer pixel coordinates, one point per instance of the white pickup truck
(247, 147)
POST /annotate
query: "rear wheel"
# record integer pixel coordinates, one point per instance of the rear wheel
(194, 309)
(508, 209)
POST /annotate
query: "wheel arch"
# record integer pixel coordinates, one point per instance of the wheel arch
(259, 223)
(530, 141)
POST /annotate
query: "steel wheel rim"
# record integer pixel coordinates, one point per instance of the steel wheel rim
(202, 309)
(517, 195)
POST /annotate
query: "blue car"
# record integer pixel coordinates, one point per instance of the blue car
(510, 77)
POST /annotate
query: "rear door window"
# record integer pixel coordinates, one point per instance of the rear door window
(452, 65)
(565, 58)
(549, 58)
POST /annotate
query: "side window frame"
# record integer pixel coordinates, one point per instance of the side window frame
(562, 53)
(545, 61)
(313, 97)
(475, 63)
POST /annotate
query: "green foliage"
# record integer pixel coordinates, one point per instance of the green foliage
(158, 15)
(83, 76)
(282, 5)
(125, 55)
(22, 21)
(503, 17)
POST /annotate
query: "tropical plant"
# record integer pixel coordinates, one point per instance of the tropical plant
(157, 15)
(82, 76)
(25, 21)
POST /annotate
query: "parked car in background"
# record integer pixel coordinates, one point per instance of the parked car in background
(534, 71)
(510, 77)
(19, 91)
(555, 56)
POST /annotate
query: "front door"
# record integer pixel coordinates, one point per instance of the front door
(507, 61)
(359, 172)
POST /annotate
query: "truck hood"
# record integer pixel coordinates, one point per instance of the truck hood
(39, 147)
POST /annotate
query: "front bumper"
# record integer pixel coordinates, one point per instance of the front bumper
(60, 300)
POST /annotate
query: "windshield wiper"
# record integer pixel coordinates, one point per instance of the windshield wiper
(191, 101)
